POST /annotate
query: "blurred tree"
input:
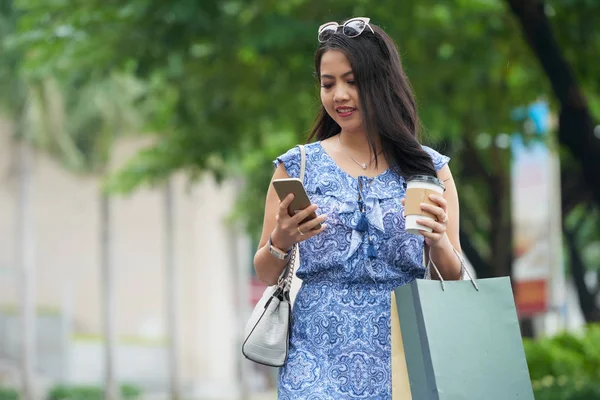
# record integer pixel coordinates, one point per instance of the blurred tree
(97, 112)
(21, 103)
(75, 120)
(232, 85)
(576, 123)
(221, 66)
(582, 237)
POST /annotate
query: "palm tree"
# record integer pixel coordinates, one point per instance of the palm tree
(78, 126)
(171, 291)
(32, 122)
(15, 106)
(77, 123)
(97, 114)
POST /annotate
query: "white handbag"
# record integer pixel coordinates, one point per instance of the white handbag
(267, 333)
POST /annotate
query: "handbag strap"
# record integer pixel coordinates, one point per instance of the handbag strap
(302, 161)
(286, 284)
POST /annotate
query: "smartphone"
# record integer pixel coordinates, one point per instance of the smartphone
(283, 187)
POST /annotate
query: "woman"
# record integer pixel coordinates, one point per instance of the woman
(355, 175)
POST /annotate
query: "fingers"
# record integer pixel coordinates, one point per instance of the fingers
(310, 225)
(291, 229)
(285, 204)
(302, 215)
(439, 211)
(308, 233)
(430, 237)
(437, 227)
(308, 229)
(439, 200)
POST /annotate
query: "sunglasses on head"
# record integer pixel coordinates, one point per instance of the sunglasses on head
(351, 28)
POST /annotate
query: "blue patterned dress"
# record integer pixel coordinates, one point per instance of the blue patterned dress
(341, 334)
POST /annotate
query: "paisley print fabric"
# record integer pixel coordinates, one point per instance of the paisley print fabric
(340, 341)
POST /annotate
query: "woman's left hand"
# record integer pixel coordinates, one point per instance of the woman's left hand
(440, 211)
(439, 226)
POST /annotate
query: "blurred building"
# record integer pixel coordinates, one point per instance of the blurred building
(213, 261)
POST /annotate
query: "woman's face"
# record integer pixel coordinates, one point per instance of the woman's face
(338, 91)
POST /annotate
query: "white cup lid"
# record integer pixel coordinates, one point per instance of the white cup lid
(426, 179)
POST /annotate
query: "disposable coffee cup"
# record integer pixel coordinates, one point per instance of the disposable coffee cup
(418, 190)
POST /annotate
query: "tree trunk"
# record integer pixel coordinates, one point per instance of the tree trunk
(171, 290)
(473, 168)
(240, 249)
(587, 297)
(108, 298)
(573, 191)
(527, 329)
(575, 123)
(480, 266)
(500, 216)
(26, 262)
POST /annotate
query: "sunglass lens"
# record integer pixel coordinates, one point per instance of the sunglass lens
(327, 32)
(354, 28)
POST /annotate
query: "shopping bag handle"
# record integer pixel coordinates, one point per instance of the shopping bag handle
(463, 270)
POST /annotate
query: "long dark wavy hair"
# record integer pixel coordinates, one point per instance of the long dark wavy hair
(387, 103)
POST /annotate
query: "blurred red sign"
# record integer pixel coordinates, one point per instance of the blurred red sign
(531, 297)
(256, 290)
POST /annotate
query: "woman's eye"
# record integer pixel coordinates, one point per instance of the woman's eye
(352, 82)
(327, 85)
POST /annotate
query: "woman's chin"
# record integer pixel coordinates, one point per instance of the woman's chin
(351, 128)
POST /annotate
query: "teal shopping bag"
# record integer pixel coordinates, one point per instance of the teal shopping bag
(462, 340)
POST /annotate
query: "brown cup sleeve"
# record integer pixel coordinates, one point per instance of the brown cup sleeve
(414, 198)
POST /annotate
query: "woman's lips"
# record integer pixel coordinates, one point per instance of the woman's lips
(345, 112)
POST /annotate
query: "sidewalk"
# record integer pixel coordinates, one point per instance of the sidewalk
(265, 396)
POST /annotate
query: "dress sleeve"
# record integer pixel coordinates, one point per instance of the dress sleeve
(291, 162)
(439, 160)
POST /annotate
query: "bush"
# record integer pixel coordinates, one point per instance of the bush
(8, 394)
(566, 366)
(61, 392)
(564, 389)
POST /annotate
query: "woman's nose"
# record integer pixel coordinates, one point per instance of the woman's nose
(340, 94)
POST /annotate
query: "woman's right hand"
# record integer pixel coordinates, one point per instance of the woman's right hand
(289, 229)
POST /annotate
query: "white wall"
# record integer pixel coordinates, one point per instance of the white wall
(66, 214)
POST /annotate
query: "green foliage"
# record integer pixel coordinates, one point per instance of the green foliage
(229, 65)
(256, 165)
(8, 394)
(76, 117)
(224, 79)
(62, 392)
(572, 21)
(566, 366)
(562, 389)
(584, 221)
(11, 87)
